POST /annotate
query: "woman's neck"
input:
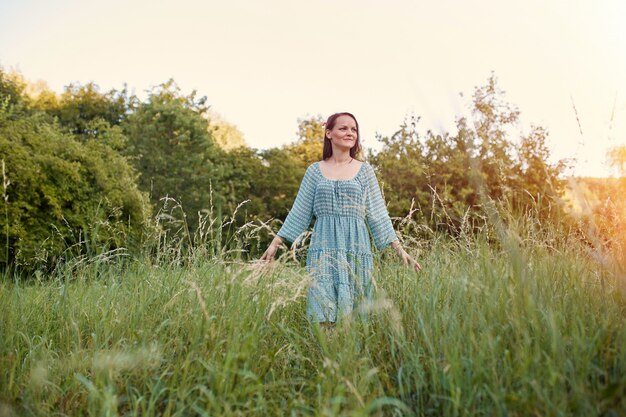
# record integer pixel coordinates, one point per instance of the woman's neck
(340, 157)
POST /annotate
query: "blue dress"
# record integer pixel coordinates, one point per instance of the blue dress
(339, 258)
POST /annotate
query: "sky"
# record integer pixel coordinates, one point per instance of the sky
(265, 64)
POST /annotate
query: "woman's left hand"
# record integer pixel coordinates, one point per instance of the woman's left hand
(406, 258)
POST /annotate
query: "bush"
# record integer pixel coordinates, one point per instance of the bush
(63, 195)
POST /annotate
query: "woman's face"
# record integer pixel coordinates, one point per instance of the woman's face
(344, 133)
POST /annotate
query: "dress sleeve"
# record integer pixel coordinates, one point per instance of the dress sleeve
(300, 215)
(376, 213)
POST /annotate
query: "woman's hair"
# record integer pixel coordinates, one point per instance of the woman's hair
(330, 124)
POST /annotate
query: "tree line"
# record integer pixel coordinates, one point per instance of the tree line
(88, 172)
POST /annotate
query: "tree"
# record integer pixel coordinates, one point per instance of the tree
(453, 175)
(538, 182)
(401, 167)
(62, 197)
(309, 144)
(225, 134)
(170, 144)
(79, 106)
(12, 87)
(617, 158)
(268, 179)
(493, 118)
(449, 175)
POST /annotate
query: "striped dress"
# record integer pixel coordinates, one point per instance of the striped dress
(339, 258)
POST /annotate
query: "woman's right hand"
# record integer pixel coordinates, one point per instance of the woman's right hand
(268, 256)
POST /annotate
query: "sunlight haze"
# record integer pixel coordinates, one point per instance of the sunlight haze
(263, 65)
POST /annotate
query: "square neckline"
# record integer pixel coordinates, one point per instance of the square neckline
(328, 179)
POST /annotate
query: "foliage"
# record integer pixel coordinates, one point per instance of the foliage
(449, 177)
(401, 167)
(81, 108)
(309, 143)
(269, 178)
(190, 162)
(170, 145)
(492, 117)
(536, 180)
(266, 182)
(225, 134)
(64, 197)
(12, 87)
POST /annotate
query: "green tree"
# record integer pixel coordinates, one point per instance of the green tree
(453, 175)
(81, 109)
(447, 175)
(64, 197)
(84, 112)
(12, 86)
(279, 182)
(493, 119)
(268, 180)
(309, 143)
(170, 145)
(538, 182)
(401, 168)
(225, 134)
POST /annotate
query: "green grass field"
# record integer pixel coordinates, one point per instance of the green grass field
(534, 329)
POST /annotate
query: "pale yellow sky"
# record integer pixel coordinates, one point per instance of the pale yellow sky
(263, 65)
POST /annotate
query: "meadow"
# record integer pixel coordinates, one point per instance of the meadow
(521, 322)
(128, 289)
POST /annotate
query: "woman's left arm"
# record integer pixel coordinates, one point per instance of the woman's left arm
(376, 213)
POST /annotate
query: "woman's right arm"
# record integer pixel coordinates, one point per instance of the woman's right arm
(299, 217)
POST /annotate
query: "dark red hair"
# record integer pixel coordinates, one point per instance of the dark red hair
(330, 124)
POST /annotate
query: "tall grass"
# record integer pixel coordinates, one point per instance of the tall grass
(530, 326)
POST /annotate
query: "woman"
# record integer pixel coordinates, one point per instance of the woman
(344, 195)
